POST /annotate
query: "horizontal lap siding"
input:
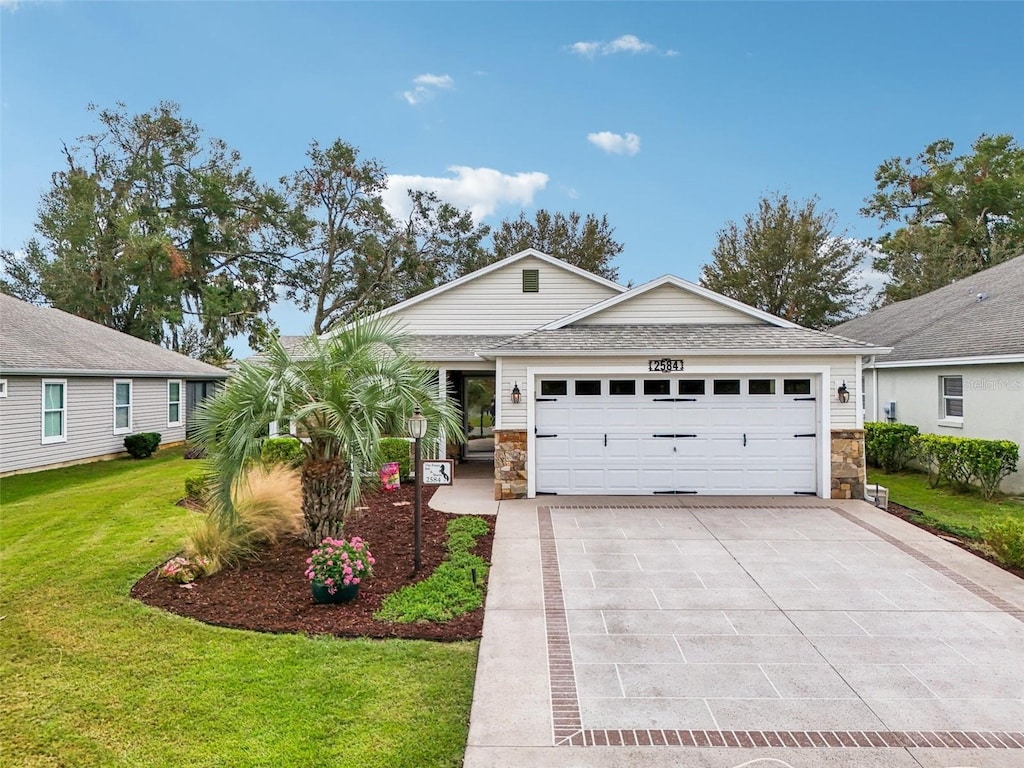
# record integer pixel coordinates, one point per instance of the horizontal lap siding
(665, 305)
(89, 425)
(494, 304)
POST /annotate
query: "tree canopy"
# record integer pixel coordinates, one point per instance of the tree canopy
(586, 242)
(788, 259)
(154, 230)
(956, 215)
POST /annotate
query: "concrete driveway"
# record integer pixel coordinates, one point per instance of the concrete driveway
(727, 632)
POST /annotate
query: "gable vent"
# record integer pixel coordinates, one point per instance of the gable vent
(531, 281)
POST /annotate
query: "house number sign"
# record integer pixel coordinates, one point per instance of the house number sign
(665, 365)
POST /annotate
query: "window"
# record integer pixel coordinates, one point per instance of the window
(54, 411)
(657, 387)
(952, 397)
(761, 386)
(622, 387)
(550, 388)
(691, 387)
(796, 386)
(531, 281)
(173, 403)
(3, 387)
(727, 386)
(588, 388)
(122, 406)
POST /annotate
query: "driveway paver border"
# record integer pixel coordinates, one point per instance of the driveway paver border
(565, 710)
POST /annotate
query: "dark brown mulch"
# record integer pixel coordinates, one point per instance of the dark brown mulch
(973, 546)
(272, 594)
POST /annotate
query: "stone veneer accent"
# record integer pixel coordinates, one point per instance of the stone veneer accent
(509, 464)
(848, 467)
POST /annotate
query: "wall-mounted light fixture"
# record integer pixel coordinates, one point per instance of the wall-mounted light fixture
(517, 396)
(843, 394)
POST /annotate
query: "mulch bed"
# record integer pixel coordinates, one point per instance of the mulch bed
(272, 594)
(973, 546)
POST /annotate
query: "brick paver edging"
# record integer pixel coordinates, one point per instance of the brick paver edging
(568, 727)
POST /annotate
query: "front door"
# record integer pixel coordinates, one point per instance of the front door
(478, 416)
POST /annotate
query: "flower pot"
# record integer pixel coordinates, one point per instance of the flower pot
(342, 594)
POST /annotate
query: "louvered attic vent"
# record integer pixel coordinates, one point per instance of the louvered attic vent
(531, 281)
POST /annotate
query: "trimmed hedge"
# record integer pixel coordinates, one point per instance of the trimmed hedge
(963, 460)
(142, 444)
(1006, 538)
(282, 450)
(397, 449)
(888, 445)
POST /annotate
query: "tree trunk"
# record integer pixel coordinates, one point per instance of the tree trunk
(325, 487)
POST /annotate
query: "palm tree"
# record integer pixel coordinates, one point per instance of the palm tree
(343, 393)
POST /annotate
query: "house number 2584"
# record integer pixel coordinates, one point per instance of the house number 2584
(665, 365)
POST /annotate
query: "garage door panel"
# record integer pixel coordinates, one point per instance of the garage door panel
(588, 447)
(622, 418)
(624, 447)
(723, 416)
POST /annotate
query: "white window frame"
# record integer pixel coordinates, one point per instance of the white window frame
(43, 410)
(180, 401)
(944, 415)
(131, 396)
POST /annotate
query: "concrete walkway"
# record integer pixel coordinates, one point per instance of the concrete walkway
(757, 631)
(471, 492)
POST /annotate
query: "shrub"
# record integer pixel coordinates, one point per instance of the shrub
(142, 444)
(196, 487)
(282, 450)
(961, 460)
(268, 505)
(889, 446)
(1006, 538)
(397, 449)
(454, 588)
(990, 461)
(944, 458)
(184, 570)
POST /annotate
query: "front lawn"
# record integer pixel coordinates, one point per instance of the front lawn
(944, 507)
(92, 677)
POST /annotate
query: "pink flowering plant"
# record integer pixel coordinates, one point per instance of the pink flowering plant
(183, 569)
(339, 563)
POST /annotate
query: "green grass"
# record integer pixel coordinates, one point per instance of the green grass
(91, 677)
(454, 588)
(945, 508)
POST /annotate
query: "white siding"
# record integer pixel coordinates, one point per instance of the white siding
(494, 304)
(667, 304)
(90, 420)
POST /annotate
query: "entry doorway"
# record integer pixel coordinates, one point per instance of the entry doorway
(476, 391)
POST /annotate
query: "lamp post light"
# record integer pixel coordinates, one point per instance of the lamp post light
(417, 427)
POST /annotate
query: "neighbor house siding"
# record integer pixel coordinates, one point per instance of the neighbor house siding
(993, 403)
(89, 425)
(495, 304)
(667, 304)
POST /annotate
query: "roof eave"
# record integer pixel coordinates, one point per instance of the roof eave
(122, 374)
(703, 351)
(933, 362)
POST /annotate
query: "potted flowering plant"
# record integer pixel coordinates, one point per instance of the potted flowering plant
(337, 567)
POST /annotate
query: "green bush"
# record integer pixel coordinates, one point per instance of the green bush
(943, 457)
(282, 450)
(454, 588)
(196, 486)
(990, 462)
(397, 449)
(142, 444)
(963, 460)
(888, 445)
(1006, 538)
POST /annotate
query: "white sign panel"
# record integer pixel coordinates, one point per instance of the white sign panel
(437, 472)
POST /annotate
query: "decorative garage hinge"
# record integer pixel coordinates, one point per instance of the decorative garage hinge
(673, 435)
(674, 493)
(804, 398)
(807, 434)
(675, 399)
(547, 400)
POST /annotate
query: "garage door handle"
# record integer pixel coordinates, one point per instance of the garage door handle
(606, 441)
(744, 440)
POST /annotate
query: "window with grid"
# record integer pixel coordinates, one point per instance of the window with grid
(122, 407)
(54, 412)
(174, 403)
(952, 397)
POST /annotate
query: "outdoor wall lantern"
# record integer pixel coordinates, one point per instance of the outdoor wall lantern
(417, 426)
(517, 396)
(843, 394)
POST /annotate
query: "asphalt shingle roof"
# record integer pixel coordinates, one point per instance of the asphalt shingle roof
(676, 338)
(44, 340)
(952, 321)
(428, 347)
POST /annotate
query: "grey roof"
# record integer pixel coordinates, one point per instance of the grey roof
(657, 339)
(437, 347)
(41, 340)
(951, 321)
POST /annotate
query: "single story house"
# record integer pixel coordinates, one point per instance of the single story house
(957, 360)
(665, 388)
(71, 389)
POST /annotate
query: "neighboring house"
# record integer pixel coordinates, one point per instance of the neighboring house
(70, 389)
(663, 388)
(957, 360)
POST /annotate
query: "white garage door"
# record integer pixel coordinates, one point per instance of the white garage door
(718, 435)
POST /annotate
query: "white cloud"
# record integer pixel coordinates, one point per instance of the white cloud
(426, 86)
(9, 5)
(622, 44)
(481, 190)
(615, 143)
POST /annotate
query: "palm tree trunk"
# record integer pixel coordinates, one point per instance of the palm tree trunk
(325, 488)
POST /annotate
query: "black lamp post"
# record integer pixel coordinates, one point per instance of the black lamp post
(417, 431)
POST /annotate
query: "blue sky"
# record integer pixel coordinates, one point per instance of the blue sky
(671, 118)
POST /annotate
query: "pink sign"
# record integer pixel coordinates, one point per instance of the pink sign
(389, 476)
